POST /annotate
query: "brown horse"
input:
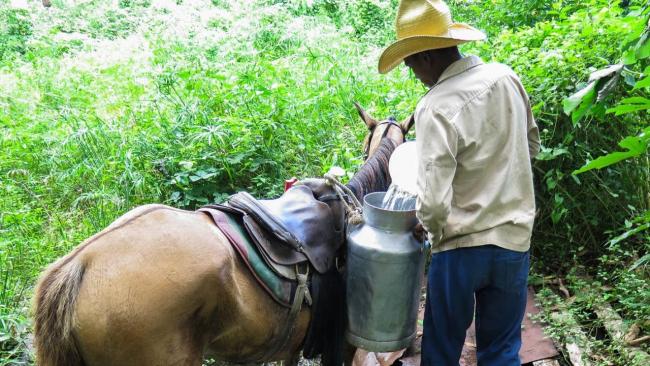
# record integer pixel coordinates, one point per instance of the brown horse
(163, 286)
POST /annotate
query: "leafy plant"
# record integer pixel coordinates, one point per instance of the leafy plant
(603, 82)
(15, 30)
(14, 340)
(634, 145)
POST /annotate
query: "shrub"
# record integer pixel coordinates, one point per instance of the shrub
(15, 31)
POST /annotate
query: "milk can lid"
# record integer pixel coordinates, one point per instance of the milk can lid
(403, 167)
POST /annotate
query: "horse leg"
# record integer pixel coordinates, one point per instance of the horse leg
(292, 361)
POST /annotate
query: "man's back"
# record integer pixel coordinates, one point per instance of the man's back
(476, 134)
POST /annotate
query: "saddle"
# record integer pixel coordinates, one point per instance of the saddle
(230, 223)
(292, 229)
(302, 229)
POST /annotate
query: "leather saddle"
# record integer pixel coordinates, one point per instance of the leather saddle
(297, 227)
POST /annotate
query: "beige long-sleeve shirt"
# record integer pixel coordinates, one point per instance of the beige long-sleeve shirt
(476, 137)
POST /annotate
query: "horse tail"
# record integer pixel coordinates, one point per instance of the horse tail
(54, 306)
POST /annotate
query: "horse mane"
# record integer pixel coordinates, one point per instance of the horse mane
(325, 335)
(373, 176)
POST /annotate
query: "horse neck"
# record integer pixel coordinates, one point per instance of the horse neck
(373, 175)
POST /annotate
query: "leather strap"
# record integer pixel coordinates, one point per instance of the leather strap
(302, 294)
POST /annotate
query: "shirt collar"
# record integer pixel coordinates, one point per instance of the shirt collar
(459, 67)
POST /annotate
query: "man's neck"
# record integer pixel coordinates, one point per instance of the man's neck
(446, 57)
(449, 61)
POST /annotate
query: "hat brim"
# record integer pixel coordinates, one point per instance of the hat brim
(394, 54)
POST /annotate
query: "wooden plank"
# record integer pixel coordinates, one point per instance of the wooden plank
(576, 356)
(535, 344)
(617, 329)
(577, 344)
(546, 363)
(611, 320)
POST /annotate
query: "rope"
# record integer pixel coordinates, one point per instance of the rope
(353, 209)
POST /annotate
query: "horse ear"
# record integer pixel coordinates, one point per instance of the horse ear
(370, 122)
(407, 124)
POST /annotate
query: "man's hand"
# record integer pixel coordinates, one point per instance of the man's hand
(419, 232)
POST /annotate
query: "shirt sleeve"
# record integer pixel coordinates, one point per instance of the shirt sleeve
(436, 144)
(533, 131)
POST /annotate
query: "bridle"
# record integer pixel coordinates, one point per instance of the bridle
(390, 122)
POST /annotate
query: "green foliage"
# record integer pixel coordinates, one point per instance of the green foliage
(14, 340)
(134, 3)
(115, 24)
(601, 84)
(95, 19)
(629, 105)
(15, 31)
(371, 19)
(635, 146)
(367, 20)
(494, 16)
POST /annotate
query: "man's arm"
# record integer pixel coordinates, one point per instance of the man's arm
(531, 126)
(533, 134)
(437, 144)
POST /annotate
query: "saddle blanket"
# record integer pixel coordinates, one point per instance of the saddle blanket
(231, 224)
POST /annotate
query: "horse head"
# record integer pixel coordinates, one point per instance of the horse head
(383, 137)
(386, 129)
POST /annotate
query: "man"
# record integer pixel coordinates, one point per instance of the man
(475, 139)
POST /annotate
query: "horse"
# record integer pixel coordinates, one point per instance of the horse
(163, 286)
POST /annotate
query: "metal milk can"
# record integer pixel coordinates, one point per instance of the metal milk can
(385, 265)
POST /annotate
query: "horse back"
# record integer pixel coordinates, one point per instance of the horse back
(152, 272)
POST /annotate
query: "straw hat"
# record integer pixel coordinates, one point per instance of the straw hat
(424, 25)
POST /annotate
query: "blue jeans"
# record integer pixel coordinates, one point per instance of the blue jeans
(497, 279)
